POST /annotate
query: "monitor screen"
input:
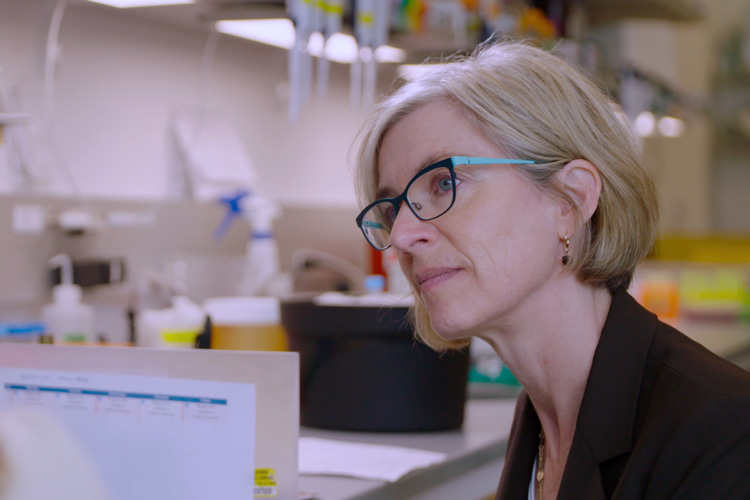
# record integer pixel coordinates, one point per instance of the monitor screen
(149, 436)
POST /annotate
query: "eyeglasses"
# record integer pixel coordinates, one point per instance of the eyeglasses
(429, 194)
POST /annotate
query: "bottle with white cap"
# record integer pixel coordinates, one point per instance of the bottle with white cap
(67, 318)
(175, 326)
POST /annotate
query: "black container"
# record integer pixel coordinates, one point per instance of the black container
(362, 370)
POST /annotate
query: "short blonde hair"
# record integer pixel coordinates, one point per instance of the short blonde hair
(532, 105)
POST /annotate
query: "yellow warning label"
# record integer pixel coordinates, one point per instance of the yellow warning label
(179, 336)
(265, 483)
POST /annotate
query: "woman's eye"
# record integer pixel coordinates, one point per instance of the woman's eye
(443, 184)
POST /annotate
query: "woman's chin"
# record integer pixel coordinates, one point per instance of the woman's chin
(449, 331)
(447, 321)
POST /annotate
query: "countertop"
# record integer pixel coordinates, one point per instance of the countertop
(471, 470)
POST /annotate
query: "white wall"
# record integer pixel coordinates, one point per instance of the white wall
(119, 79)
(731, 162)
(679, 55)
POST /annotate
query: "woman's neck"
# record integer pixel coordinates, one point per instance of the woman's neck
(549, 346)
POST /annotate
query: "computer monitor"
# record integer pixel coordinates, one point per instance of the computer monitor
(162, 423)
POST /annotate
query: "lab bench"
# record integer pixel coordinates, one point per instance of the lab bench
(470, 471)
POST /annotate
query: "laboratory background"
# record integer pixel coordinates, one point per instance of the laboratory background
(162, 165)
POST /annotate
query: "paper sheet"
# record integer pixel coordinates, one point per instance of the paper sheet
(384, 299)
(368, 461)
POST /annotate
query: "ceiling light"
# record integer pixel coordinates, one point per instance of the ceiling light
(126, 4)
(388, 54)
(645, 124)
(339, 47)
(276, 32)
(670, 126)
(414, 71)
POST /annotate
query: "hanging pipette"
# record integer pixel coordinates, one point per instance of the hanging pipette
(370, 75)
(332, 11)
(293, 64)
(364, 32)
(300, 12)
(381, 24)
(355, 83)
(306, 29)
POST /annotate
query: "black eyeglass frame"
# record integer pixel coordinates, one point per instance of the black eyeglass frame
(450, 163)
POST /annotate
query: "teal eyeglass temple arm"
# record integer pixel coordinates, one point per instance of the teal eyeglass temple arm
(472, 160)
(375, 225)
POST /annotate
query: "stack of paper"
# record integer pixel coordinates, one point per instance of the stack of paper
(368, 461)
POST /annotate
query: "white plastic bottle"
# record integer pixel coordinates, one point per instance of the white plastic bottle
(262, 255)
(262, 263)
(176, 326)
(67, 318)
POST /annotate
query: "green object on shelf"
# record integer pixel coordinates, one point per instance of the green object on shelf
(505, 376)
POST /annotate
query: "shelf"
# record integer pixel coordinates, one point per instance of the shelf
(730, 142)
(739, 78)
(603, 11)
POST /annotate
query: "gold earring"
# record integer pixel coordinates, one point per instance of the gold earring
(566, 257)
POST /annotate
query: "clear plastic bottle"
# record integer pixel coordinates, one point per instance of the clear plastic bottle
(67, 318)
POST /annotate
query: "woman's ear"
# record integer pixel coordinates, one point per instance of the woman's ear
(583, 183)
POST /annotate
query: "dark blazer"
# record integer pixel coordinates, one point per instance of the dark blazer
(661, 417)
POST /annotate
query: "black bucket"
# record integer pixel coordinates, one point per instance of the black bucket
(362, 370)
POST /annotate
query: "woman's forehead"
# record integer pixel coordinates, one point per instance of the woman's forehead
(387, 187)
(430, 133)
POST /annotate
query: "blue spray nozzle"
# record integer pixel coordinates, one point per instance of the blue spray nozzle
(233, 205)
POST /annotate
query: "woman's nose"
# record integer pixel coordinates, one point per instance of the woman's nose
(408, 230)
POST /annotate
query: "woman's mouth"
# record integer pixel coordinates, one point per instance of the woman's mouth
(429, 278)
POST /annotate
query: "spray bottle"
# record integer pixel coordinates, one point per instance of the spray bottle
(67, 319)
(262, 256)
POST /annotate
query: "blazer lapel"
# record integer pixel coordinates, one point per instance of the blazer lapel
(582, 477)
(606, 418)
(522, 445)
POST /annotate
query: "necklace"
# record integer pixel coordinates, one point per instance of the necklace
(540, 466)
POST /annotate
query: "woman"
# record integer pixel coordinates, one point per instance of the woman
(512, 192)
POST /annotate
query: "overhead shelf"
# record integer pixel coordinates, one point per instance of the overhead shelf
(601, 11)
